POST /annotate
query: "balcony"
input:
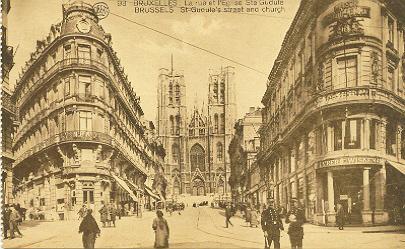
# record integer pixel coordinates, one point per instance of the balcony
(7, 103)
(82, 136)
(7, 55)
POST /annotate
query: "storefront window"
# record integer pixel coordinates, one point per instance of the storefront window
(373, 133)
(337, 133)
(352, 134)
(391, 140)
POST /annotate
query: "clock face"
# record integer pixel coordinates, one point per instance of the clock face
(83, 26)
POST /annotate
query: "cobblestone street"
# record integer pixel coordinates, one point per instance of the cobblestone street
(200, 228)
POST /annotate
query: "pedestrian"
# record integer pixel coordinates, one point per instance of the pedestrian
(103, 213)
(14, 218)
(271, 225)
(113, 213)
(254, 218)
(340, 216)
(6, 220)
(248, 213)
(228, 214)
(90, 230)
(296, 218)
(82, 212)
(161, 229)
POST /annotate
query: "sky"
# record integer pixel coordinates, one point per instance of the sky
(252, 40)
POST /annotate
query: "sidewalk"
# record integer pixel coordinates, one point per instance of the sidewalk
(325, 229)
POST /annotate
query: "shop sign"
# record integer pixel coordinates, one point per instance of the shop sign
(347, 10)
(343, 197)
(349, 161)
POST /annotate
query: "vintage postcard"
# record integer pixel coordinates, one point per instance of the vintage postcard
(203, 124)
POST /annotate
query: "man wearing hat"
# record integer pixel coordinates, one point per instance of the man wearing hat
(271, 225)
(296, 218)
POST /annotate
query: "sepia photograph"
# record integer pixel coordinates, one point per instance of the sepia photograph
(203, 124)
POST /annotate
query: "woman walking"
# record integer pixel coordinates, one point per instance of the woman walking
(161, 229)
(90, 230)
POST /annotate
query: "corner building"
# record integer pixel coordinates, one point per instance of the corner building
(197, 162)
(334, 111)
(81, 138)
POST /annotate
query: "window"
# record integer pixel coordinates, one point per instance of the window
(391, 79)
(373, 133)
(67, 86)
(85, 121)
(391, 139)
(83, 52)
(84, 86)
(42, 202)
(222, 91)
(403, 143)
(202, 131)
(175, 153)
(222, 123)
(220, 151)
(178, 123)
(197, 158)
(88, 196)
(216, 123)
(352, 134)
(347, 72)
(68, 51)
(337, 135)
(171, 124)
(100, 88)
(390, 30)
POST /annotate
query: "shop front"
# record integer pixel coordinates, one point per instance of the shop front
(358, 184)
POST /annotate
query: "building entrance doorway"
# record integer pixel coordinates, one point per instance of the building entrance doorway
(198, 187)
(349, 192)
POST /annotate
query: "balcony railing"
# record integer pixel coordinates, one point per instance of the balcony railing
(82, 136)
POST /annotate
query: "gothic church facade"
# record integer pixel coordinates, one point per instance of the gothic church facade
(197, 162)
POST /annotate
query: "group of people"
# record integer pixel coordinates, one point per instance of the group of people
(109, 213)
(90, 230)
(251, 215)
(11, 219)
(272, 225)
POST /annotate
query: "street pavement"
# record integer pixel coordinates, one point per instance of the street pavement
(201, 227)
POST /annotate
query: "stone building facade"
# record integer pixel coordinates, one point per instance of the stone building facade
(196, 163)
(7, 110)
(335, 111)
(81, 138)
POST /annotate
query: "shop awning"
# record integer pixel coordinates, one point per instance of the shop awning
(149, 191)
(125, 186)
(399, 166)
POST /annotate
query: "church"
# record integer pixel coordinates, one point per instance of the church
(196, 141)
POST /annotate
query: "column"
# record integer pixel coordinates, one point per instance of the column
(331, 193)
(366, 213)
(380, 216)
(319, 188)
(331, 219)
(366, 189)
(366, 133)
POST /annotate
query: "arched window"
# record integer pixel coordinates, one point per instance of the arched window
(216, 123)
(220, 150)
(178, 123)
(197, 158)
(175, 153)
(171, 124)
(222, 124)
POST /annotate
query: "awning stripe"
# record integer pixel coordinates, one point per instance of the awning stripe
(149, 191)
(399, 166)
(125, 186)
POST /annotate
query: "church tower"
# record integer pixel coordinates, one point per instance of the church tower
(222, 118)
(172, 120)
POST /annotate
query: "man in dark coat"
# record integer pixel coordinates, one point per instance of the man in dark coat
(296, 218)
(271, 225)
(14, 219)
(90, 230)
(340, 216)
(228, 214)
(6, 220)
